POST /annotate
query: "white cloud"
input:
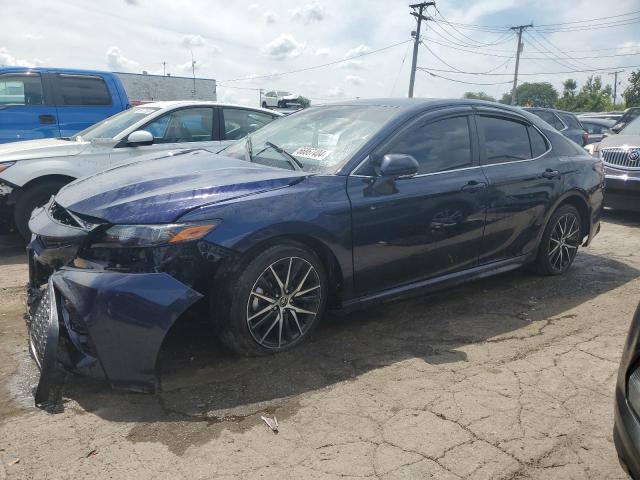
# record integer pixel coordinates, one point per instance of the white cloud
(253, 6)
(6, 59)
(270, 17)
(32, 36)
(353, 65)
(190, 41)
(283, 46)
(354, 80)
(131, 2)
(356, 51)
(335, 92)
(117, 61)
(308, 13)
(322, 52)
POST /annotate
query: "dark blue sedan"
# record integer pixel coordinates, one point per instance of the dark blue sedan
(336, 206)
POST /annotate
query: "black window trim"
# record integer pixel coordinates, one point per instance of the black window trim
(58, 101)
(513, 117)
(431, 116)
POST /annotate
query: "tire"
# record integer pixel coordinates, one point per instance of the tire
(280, 104)
(253, 289)
(264, 104)
(559, 244)
(32, 198)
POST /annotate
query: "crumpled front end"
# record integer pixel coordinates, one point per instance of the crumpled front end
(104, 312)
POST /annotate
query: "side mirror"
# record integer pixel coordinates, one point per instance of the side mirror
(396, 165)
(139, 138)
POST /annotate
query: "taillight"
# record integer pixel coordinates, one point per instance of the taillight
(585, 138)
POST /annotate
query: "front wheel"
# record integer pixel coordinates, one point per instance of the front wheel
(274, 302)
(560, 241)
(264, 104)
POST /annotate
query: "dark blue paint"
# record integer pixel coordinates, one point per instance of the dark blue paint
(127, 317)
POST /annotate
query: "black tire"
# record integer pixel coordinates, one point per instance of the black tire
(264, 104)
(32, 198)
(559, 245)
(231, 307)
(280, 104)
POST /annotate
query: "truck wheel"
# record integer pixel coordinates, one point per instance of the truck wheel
(273, 302)
(264, 104)
(32, 198)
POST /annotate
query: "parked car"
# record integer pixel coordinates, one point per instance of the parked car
(333, 207)
(51, 103)
(32, 171)
(60, 102)
(629, 115)
(626, 430)
(279, 99)
(565, 122)
(621, 156)
(597, 128)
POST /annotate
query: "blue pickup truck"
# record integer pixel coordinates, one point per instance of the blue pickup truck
(54, 102)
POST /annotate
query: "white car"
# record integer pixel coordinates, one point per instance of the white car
(279, 99)
(32, 171)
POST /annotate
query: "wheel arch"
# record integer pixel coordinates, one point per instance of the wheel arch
(335, 274)
(577, 199)
(38, 180)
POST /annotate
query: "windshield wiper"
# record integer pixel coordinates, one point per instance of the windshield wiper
(249, 147)
(295, 163)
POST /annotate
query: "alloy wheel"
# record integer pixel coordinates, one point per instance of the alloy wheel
(283, 302)
(564, 241)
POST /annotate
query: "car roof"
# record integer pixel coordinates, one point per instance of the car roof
(549, 110)
(169, 104)
(601, 121)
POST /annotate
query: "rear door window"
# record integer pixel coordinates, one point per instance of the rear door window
(538, 142)
(238, 122)
(550, 118)
(82, 90)
(505, 140)
(570, 120)
(21, 90)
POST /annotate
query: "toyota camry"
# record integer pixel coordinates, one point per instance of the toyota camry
(333, 207)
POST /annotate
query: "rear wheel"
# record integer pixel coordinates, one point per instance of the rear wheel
(560, 241)
(274, 302)
(264, 104)
(32, 198)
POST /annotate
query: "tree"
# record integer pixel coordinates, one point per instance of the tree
(478, 96)
(593, 97)
(538, 94)
(632, 92)
(568, 100)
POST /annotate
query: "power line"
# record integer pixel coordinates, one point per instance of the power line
(400, 70)
(539, 73)
(538, 47)
(306, 69)
(480, 44)
(455, 69)
(460, 81)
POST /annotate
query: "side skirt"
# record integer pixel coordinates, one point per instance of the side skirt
(439, 283)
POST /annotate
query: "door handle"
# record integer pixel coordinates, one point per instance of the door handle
(550, 173)
(47, 119)
(473, 186)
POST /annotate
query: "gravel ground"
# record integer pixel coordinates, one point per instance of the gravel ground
(509, 377)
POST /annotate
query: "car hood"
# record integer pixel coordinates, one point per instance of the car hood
(44, 148)
(163, 189)
(620, 141)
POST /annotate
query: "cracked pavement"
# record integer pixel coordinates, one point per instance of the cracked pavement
(507, 377)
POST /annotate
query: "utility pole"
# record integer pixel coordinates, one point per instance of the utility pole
(520, 29)
(420, 7)
(164, 68)
(615, 84)
(193, 71)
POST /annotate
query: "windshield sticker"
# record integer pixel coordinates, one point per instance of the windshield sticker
(312, 153)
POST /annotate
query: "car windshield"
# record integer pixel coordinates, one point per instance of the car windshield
(632, 128)
(112, 126)
(320, 138)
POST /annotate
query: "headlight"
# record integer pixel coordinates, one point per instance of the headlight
(5, 165)
(155, 235)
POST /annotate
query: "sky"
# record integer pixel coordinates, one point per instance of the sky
(251, 45)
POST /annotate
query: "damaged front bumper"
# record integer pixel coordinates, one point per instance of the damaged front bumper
(103, 324)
